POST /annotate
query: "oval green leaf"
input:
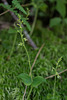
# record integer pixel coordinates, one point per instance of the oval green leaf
(37, 81)
(26, 79)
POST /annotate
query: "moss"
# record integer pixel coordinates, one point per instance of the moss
(11, 87)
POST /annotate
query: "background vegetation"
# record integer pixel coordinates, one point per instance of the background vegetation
(47, 24)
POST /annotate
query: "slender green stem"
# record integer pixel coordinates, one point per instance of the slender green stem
(29, 93)
(54, 86)
(13, 45)
(23, 43)
(34, 22)
(26, 52)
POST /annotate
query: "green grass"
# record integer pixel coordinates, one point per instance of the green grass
(12, 88)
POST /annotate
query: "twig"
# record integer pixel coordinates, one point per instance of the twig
(14, 8)
(4, 12)
(25, 32)
(24, 92)
(55, 74)
(37, 56)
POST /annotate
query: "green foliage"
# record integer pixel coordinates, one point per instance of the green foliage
(11, 30)
(37, 81)
(43, 7)
(39, 4)
(14, 57)
(9, 8)
(11, 87)
(55, 21)
(65, 20)
(61, 7)
(26, 79)
(18, 6)
(26, 23)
